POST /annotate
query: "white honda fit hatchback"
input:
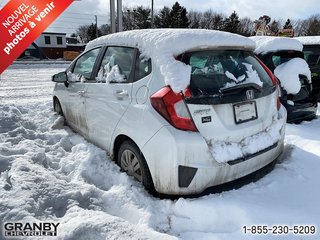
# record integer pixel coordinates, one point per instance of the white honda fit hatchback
(180, 110)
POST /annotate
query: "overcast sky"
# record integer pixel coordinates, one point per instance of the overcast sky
(245, 8)
(83, 12)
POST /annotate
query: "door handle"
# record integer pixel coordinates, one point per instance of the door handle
(81, 93)
(121, 93)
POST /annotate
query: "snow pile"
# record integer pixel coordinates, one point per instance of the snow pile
(73, 77)
(250, 77)
(309, 40)
(227, 151)
(49, 173)
(288, 74)
(266, 44)
(163, 45)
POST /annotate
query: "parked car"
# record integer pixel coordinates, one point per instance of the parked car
(284, 57)
(179, 110)
(311, 50)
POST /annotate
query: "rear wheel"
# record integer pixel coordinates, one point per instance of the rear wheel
(131, 160)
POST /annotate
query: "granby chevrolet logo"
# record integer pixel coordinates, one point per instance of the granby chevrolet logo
(19, 229)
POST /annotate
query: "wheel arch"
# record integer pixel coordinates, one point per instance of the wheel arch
(117, 143)
(54, 98)
(119, 140)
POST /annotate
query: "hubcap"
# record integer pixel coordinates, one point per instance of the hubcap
(130, 164)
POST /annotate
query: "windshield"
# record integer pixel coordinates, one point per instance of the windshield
(215, 70)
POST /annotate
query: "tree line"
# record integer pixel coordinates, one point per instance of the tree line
(178, 17)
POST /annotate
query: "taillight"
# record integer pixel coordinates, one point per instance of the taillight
(274, 81)
(172, 107)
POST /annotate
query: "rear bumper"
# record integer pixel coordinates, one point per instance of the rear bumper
(181, 163)
(301, 112)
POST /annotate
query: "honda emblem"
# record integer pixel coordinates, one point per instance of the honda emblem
(250, 94)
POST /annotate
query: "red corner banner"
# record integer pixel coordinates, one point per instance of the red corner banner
(21, 22)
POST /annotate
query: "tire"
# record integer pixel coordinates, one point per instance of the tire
(131, 161)
(57, 107)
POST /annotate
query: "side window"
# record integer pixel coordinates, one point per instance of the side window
(116, 66)
(276, 60)
(84, 65)
(198, 61)
(143, 67)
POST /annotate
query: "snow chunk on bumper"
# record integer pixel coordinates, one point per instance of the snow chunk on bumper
(227, 151)
(288, 74)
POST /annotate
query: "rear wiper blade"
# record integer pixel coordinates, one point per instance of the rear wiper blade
(241, 86)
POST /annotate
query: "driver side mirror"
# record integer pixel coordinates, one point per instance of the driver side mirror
(60, 77)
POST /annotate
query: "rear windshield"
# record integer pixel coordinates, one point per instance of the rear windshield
(284, 56)
(312, 54)
(213, 70)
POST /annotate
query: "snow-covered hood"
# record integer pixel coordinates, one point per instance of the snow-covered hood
(162, 45)
(266, 44)
(309, 40)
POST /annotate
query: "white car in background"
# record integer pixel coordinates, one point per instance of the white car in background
(180, 110)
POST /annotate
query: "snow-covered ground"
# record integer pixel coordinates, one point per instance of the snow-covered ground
(50, 173)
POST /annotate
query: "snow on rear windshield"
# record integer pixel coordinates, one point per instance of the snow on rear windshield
(214, 70)
(250, 76)
(163, 45)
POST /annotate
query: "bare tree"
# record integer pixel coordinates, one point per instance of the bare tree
(194, 18)
(275, 26)
(82, 32)
(212, 20)
(314, 25)
(246, 27)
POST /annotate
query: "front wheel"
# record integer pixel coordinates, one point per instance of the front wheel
(57, 107)
(131, 160)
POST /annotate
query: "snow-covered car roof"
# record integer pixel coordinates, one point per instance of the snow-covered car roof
(266, 44)
(162, 45)
(173, 40)
(309, 40)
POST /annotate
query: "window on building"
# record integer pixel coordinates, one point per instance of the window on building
(47, 40)
(59, 40)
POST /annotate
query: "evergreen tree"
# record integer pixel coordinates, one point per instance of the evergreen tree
(142, 18)
(178, 15)
(288, 24)
(217, 21)
(231, 24)
(163, 19)
(92, 32)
